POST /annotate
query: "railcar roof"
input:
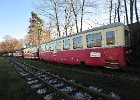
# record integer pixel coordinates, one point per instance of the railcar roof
(93, 29)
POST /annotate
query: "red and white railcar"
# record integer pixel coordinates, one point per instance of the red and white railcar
(18, 54)
(27, 53)
(35, 52)
(31, 52)
(102, 46)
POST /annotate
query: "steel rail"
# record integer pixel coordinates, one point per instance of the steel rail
(63, 94)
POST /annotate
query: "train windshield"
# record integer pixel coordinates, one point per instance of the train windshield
(127, 37)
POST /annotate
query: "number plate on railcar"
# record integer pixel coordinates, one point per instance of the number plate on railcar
(95, 54)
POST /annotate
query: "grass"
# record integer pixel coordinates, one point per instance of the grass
(128, 86)
(12, 86)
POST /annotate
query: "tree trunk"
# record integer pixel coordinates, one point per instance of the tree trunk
(118, 10)
(82, 13)
(76, 21)
(75, 14)
(110, 11)
(67, 19)
(131, 11)
(57, 21)
(136, 11)
(66, 23)
(126, 12)
(115, 13)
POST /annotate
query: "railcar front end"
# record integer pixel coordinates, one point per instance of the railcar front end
(27, 53)
(18, 54)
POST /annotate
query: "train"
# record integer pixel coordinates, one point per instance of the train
(105, 46)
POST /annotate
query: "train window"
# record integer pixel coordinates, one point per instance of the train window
(47, 47)
(34, 49)
(110, 38)
(66, 44)
(58, 45)
(94, 40)
(127, 37)
(77, 42)
(52, 47)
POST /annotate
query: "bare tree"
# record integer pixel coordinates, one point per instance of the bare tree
(118, 10)
(54, 2)
(51, 10)
(115, 13)
(136, 11)
(82, 13)
(75, 12)
(67, 16)
(131, 11)
(110, 11)
(126, 13)
(70, 10)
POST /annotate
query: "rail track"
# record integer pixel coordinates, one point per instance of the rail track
(53, 87)
(129, 71)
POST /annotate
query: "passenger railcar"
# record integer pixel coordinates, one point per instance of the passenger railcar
(31, 52)
(35, 52)
(27, 53)
(102, 46)
(18, 54)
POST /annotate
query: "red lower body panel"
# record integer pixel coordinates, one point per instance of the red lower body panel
(111, 57)
(31, 55)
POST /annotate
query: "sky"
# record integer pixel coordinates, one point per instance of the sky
(14, 18)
